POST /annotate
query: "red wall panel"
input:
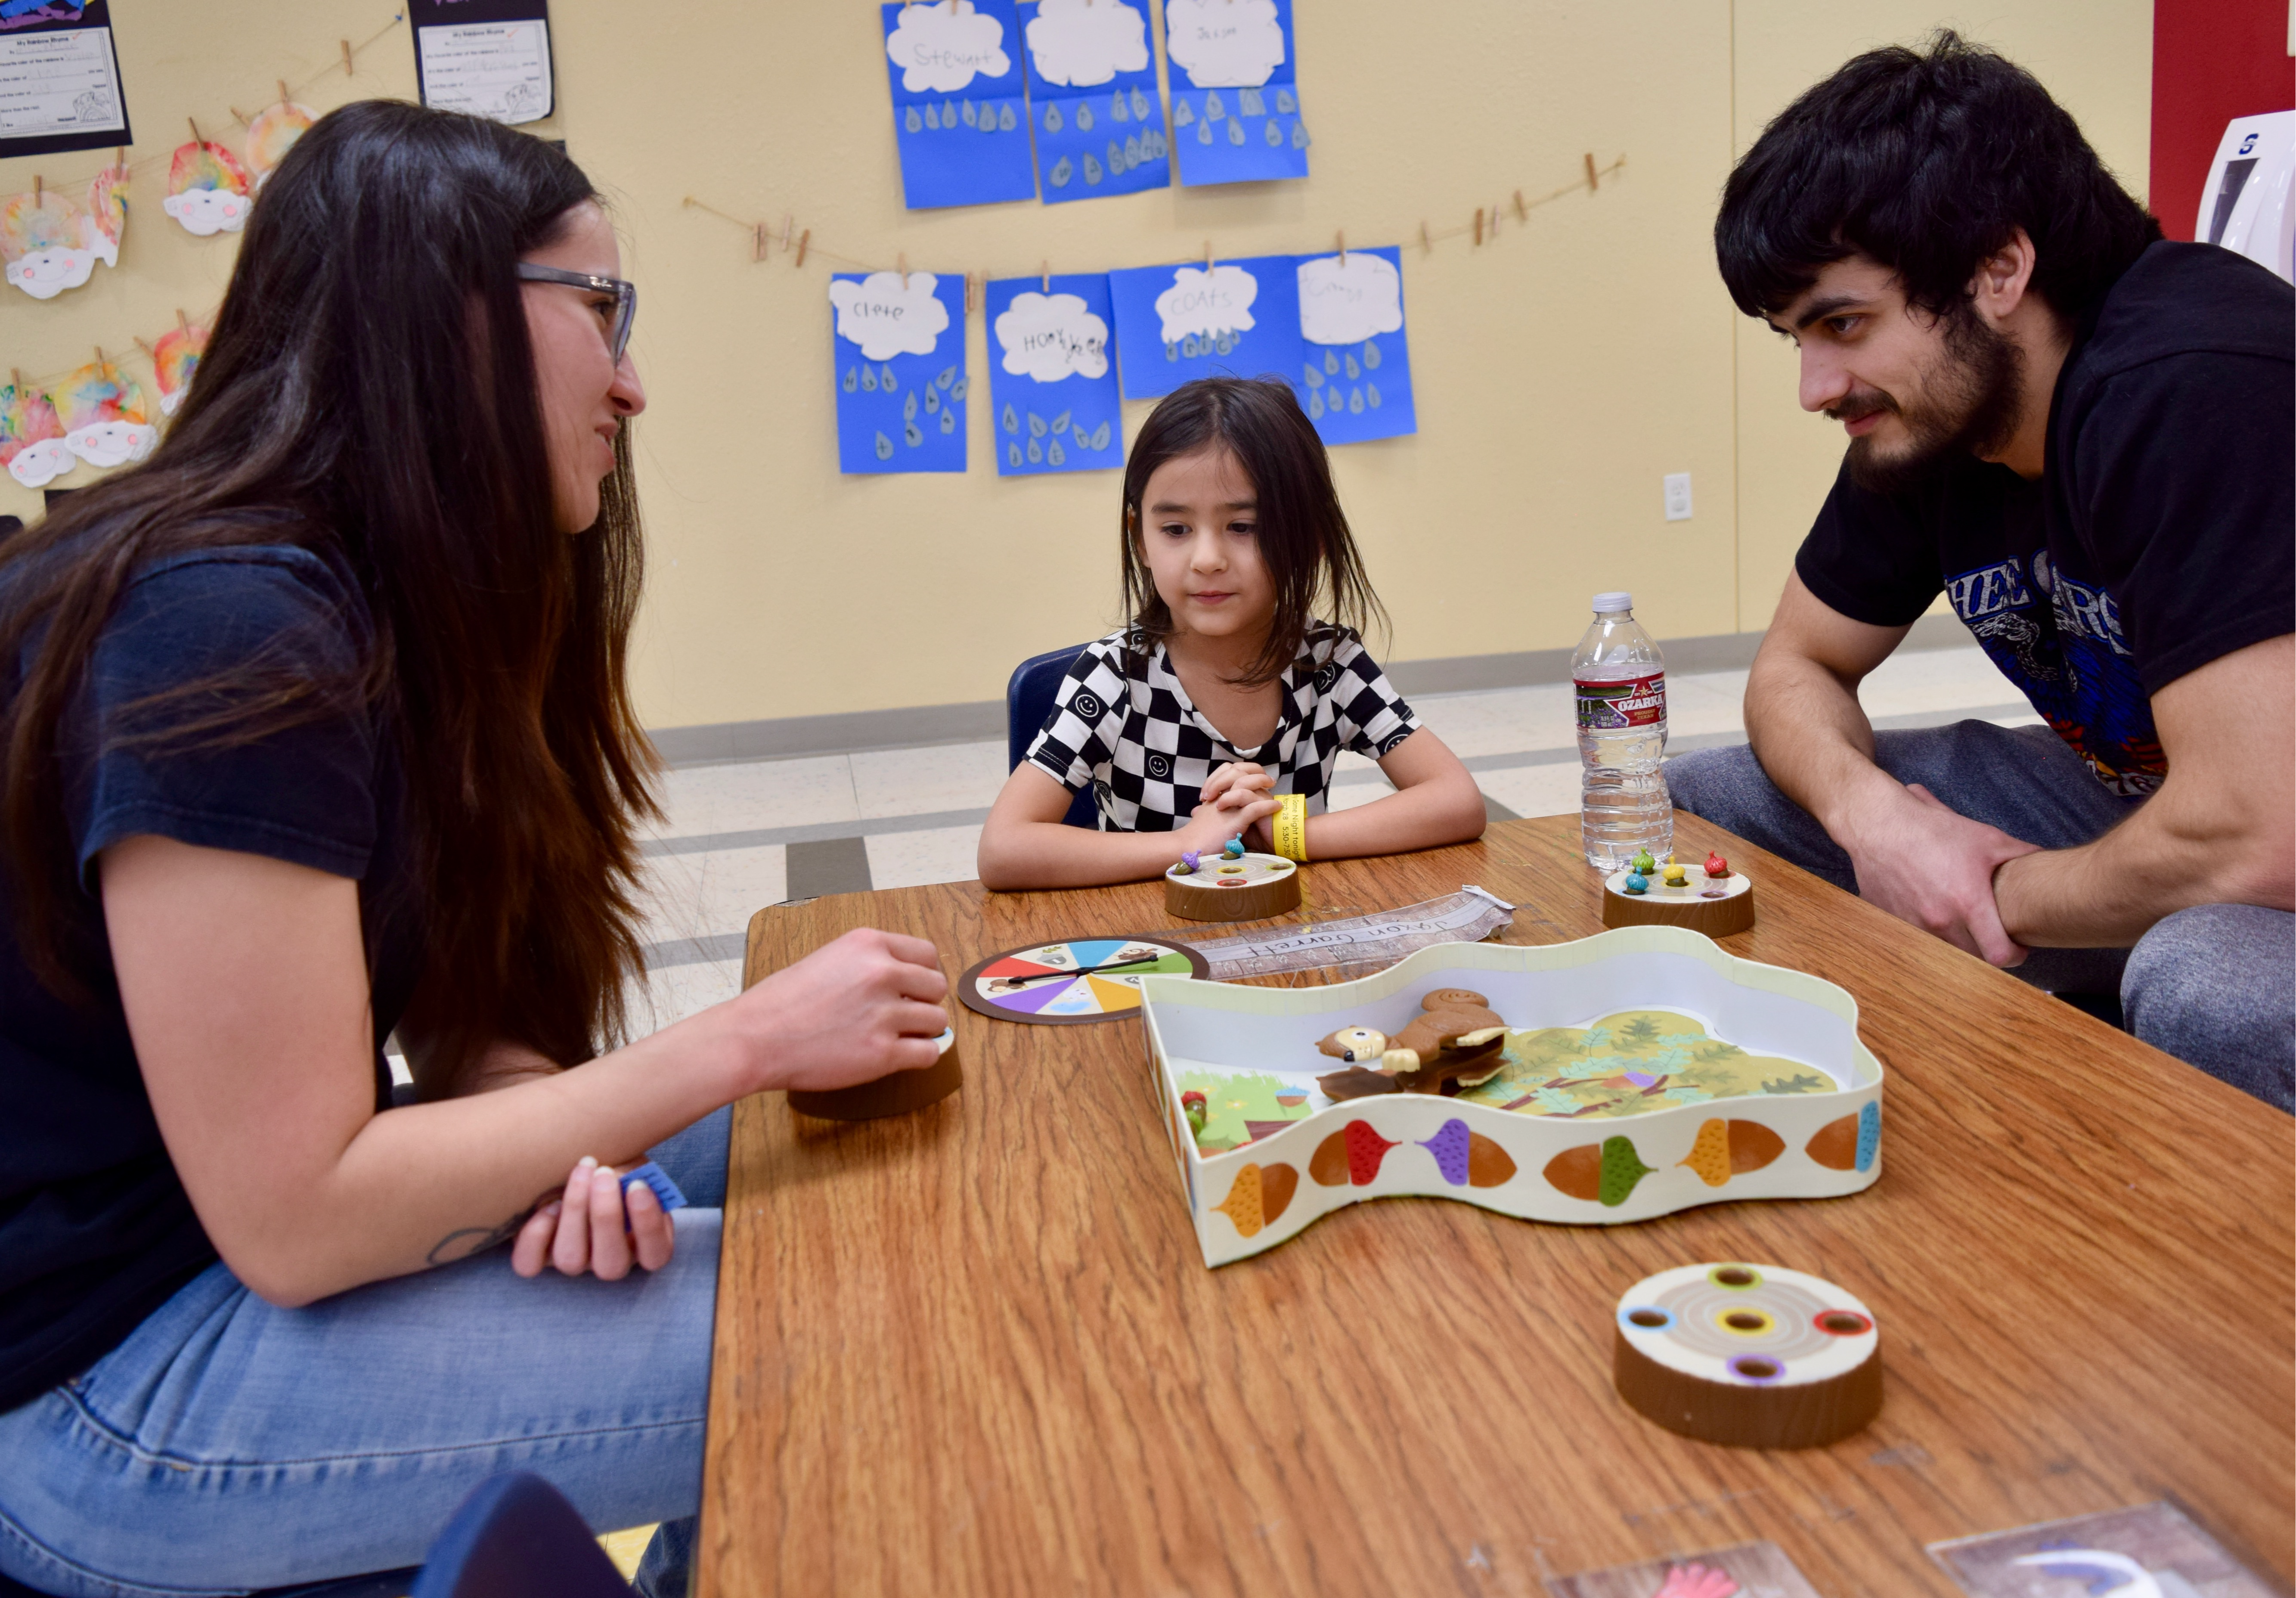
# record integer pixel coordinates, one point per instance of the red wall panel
(2212, 60)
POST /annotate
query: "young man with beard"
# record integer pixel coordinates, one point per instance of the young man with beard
(2082, 435)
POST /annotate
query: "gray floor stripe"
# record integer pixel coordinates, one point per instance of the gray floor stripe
(703, 843)
(828, 866)
(695, 951)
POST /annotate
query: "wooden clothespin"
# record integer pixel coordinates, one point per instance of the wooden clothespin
(146, 348)
(16, 378)
(901, 260)
(758, 241)
(1479, 226)
(347, 68)
(803, 239)
(283, 92)
(970, 301)
(1207, 257)
(38, 190)
(196, 139)
(119, 160)
(1592, 181)
(239, 116)
(1426, 244)
(103, 361)
(1044, 275)
(1521, 211)
(789, 224)
(182, 323)
(1343, 246)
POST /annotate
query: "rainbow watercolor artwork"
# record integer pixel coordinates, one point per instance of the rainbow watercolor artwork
(107, 420)
(207, 190)
(272, 134)
(174, 359)
(31, 438)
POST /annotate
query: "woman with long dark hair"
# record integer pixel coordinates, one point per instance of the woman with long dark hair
(316, 730)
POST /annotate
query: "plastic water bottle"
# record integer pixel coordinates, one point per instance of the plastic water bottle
(1620, 679)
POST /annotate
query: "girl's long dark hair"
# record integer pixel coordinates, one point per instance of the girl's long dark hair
(1302, 533)
(369, 392)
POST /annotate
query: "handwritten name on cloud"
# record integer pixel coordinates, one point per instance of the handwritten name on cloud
(888, 318)
(1223, 43)
(1347, 304)
(1049, 337)
(1201, 304)
(941, 49)
(1079, 44)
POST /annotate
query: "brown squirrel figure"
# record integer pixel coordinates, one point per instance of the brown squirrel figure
(1455, 1045)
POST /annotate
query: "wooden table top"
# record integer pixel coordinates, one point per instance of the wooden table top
(975, 1350)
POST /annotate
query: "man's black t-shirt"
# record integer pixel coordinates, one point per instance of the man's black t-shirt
(2161, 537)
(96, 1230)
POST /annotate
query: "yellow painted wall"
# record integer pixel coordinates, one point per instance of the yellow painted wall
(1561, 369)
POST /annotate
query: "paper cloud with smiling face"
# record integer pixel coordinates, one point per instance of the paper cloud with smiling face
(49, 243)
(107, 421)
(1051, 336)
(941, 49)
(31, 438)
(207, 190)
(1081, 44)
(886, 317)
(1345, 304)
(1223, 43)
(1206, 305)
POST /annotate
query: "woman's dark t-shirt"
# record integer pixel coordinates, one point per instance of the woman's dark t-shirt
(95, 1229)
(2158, 537)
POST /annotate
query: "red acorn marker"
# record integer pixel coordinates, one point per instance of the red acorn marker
(1717, 867)
(1352, 1155)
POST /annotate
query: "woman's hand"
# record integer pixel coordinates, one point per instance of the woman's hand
(596, 1225)
(852, 1010)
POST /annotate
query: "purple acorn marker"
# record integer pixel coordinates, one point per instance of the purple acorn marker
(1450, 1148)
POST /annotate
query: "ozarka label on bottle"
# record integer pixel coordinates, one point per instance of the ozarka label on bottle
(1625, 702)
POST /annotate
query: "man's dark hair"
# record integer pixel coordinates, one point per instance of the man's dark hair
(1927, 161)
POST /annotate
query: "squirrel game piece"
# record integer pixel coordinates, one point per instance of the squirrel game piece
(1753, 1356)
(1246, 887)
(1455, 1044)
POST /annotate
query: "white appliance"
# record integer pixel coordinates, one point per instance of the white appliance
(2247, 207)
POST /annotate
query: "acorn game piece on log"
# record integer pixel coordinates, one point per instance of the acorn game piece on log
(897, 1094)
(1716, 901)
(1753, 1356)
(1231, 886)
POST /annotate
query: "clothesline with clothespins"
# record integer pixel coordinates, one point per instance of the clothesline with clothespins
(17, 381)
(287, 93)
(766, 238)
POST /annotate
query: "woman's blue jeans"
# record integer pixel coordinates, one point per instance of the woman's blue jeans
(230, 1445)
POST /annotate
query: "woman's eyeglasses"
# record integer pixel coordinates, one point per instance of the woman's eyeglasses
(626, 298)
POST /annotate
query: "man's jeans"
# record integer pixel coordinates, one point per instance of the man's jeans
(2214, 985)
(229, 1444)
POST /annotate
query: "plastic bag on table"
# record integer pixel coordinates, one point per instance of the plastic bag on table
(1357, 945)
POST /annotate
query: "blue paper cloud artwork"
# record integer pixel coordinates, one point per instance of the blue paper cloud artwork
(1099, 120)
(899, 349)
(1230, 319)
(959, 111)
(1235, 91)
(1355, 371)
(1051, 376)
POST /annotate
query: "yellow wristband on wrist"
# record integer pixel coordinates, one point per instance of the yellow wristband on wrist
(1289, 826)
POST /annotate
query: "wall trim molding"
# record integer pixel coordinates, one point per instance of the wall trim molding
(919, 726)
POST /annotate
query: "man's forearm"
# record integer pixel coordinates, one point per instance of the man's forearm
(1813, 739)
(2174, 852)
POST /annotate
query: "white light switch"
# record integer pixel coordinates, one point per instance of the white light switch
(1677, 496)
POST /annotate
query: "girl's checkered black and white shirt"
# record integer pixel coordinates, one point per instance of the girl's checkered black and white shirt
(1147, 750)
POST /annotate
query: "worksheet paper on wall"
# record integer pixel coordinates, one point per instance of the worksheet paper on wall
(1092, 90)
(1235, 91)
(899, 348)
(488, 58)
(1357, 365)
(1052, 378)
(1230, 319)
(60, 84)
(960, 115)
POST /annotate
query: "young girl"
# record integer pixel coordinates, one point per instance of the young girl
(1225, 690)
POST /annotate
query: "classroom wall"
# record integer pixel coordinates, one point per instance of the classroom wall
(1561, 367)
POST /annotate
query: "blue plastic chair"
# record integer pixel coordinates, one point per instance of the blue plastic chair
(1027, 702)
(517, 1538)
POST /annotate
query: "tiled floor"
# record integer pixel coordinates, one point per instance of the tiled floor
(741, 836)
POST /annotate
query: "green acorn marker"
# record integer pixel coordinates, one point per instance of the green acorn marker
(1622, 1168)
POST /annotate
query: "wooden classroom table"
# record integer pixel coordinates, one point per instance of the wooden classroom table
(975, 1350)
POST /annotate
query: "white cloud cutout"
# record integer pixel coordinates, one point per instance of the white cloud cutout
(887, 318)
(204, 212)
(1223, 43)
(941, 49)
(1051, 336)
(1201, 304)
(1347, 304)
(112, 443)
(45, 274)
(36, 465)
(1079, 44)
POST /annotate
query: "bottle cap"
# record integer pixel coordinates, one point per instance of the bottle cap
(1609, 603)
